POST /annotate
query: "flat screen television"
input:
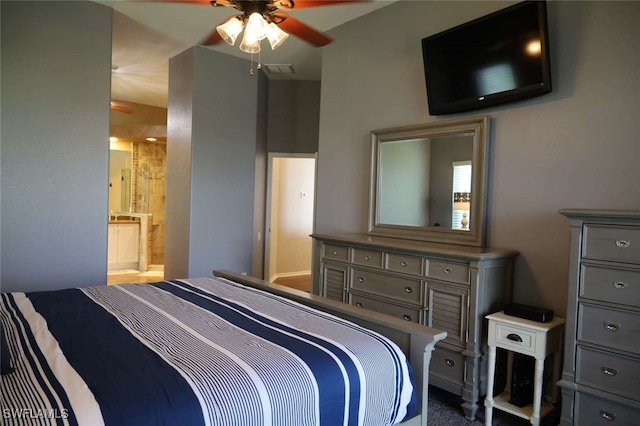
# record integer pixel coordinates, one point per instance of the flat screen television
(499, 58)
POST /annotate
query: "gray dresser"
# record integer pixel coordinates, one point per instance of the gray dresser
(449, 287)
(601, 375)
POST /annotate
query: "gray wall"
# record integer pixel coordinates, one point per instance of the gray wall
(576, 147)
(211, 150)
(294, 114)
(56, 73)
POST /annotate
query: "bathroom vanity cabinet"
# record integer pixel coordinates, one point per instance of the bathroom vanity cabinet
(123, 245)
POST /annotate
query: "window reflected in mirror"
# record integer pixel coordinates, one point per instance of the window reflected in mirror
(461, 194)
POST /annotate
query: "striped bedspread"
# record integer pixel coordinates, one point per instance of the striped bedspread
(202, 351)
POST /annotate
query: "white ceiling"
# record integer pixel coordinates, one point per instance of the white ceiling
(147, 34)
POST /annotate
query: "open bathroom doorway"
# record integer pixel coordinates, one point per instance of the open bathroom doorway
(137, 193)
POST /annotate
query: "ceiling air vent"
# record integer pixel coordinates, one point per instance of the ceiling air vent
(278, 68)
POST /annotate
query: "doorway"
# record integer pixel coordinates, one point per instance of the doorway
(291, 182)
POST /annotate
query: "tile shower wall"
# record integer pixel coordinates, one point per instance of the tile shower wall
(149, 164)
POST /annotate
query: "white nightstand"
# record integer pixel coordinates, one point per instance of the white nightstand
(526, 337)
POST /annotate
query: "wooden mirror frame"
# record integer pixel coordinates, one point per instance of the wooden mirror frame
(475, 236)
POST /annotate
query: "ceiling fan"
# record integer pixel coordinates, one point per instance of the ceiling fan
(274, 25)
(123, 106)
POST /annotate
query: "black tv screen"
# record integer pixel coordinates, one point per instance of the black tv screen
(492, 60)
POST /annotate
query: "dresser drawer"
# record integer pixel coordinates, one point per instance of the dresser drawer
(613, 328)
(594, 411)
(403, 263)
(616, 243)
(447, 365)
(364, 257)
(403, 289)
(402, 312)
(614, 285)
(448, 271)
(612, 373)
(336, 252)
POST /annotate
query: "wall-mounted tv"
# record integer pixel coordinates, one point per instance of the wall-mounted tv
(492, 60)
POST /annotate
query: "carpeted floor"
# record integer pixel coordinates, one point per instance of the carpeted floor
(445, 410)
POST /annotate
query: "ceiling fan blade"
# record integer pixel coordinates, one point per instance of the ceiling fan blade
(303, 4)
(206, 2)
(121, 106)
(121, 109)
(214, 37)
(303, 31)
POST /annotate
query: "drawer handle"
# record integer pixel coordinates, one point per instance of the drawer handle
(619, 285)
(367, 258)
(361, 279)
(408, 290)
(514, 337)
(607, 371)
(449, 362)
(607, 415)
(447, 270)
(623, 243)
(336, 252)
(612, 327)
(360, 305)
(403, 263)
(406, 317)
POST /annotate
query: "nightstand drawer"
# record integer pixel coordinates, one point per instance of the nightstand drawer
(448, 271)
(611, 328)
(336, 252)
(614, 285)
(403, 289)
(402, 312)
(512, 337)
(594, 411)
(612, 373)
(616, 243)
(404, 264)
(364, 257)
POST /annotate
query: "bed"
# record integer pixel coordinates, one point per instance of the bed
(228, 350)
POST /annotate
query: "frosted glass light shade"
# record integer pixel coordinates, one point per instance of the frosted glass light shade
(256, 28)
(230, 30)
(249, 44)
(275, 35)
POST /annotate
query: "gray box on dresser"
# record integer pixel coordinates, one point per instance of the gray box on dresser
(601, 368)
(450, 287)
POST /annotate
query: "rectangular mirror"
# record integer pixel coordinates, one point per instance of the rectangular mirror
(119, 180)
(428, 182)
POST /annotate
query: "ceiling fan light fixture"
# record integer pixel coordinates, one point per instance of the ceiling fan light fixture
(256, 28)
(230, 30)
(249, 44)
(275, 35)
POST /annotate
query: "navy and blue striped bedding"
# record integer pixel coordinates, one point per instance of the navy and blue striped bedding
(194, 352)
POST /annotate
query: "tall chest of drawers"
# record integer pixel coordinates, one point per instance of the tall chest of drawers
(601, 372)
(448, 287)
